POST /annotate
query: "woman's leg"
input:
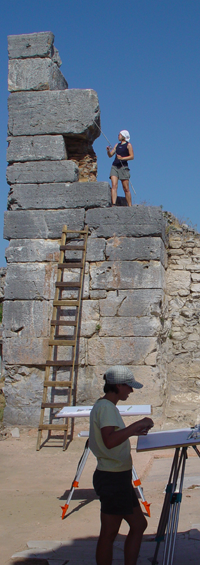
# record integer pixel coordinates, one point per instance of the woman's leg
(110, 525)
(138, 524)
(114, 181)
(125, 184)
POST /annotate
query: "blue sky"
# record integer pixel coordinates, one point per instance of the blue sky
(143, 59)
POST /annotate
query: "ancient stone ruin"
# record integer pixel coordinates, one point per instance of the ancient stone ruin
(141, 302)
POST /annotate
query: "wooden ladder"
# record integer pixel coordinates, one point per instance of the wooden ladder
(64, 333)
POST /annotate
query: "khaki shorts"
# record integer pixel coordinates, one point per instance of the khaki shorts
(122, 173)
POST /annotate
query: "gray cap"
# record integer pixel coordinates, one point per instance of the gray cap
(121, 375)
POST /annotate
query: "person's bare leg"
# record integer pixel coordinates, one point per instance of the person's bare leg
(138, 524)
(110, 525)
(125, 184)
(114, 181)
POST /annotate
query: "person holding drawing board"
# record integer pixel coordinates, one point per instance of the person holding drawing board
(112, 480)
(120, 169)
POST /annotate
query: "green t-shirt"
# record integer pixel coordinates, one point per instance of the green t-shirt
(104, 413)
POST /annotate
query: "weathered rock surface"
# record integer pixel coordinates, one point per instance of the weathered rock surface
(56, 196)
(138, 302)
(2, 281)
(31, 45)
(23, 390)
(41, 224)
(67, 112)
(96, 249)
(129, 274)
(129, 326)
(36, 148)
(32, 250)
(30, 282)
(128, 249)
(23, 318)
(137, 221)
(120, 350)
(35, 74)
(42, 172)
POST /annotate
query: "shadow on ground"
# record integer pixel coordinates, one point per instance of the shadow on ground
(82, 551)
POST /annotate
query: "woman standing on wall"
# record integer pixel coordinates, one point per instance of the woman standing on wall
(120, 169)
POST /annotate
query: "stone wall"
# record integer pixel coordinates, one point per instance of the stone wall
(138, 309)
(181, 325)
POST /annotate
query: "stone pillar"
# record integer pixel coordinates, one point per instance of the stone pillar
(123, 297)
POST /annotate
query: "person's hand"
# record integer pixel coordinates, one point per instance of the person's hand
(119, 157)
(143, 426)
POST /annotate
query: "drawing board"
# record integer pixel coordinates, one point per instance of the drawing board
(166, 440)
(84, 411)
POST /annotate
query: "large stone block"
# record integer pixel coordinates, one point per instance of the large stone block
(42, 172)
(151, 393)
(139, 302)
(30, 282)
(59, 195)
(25, 350)
(87, 386)
(25, 318)
(138, 221)
(41, 224)
(36, 148)
(130, 249)
(153, 389)
(32, 250)
(120, 350)
(68, 112)
(127, 274)
(23, 392)
(89, 317)
(34, 74)
(96, 249)
(130, 326)
(31, 45)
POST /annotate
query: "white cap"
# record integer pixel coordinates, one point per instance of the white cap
(125, 133)
(120, 374)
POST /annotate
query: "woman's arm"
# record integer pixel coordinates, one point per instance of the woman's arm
(130, 157)
(112, 437)
(111, 152)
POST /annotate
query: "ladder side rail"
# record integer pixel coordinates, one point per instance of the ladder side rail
(50, 347)
(79, 305)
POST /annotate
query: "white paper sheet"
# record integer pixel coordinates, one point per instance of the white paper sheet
(165, 440)
(84, 411)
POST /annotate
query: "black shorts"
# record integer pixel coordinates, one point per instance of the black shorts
(115, 491)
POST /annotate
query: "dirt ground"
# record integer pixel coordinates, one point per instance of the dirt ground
(34, 485)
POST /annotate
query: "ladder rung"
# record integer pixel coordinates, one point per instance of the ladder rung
(53, 404)
(72, 247)
(63, 323)
(53, 427)
(62, 384)
(75, 231)
(60, 363)
(67, 284)
(70, 265)
(65, 302)
(62, 342)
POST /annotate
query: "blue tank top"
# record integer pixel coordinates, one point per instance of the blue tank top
(121, 149)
